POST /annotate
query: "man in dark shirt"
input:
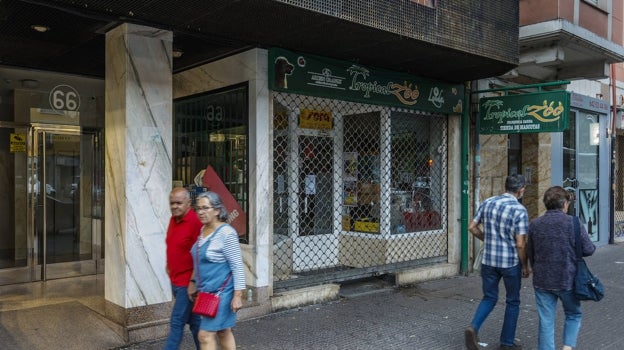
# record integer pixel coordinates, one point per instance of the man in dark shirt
(184, 227)
(552, 254)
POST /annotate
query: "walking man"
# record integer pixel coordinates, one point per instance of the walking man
(184, 228)
(505, 226)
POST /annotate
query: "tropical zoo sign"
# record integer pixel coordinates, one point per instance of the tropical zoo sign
(525, 113)
(311, 75)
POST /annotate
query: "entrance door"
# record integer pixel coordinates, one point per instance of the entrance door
(581, 154)
(52, 196)
(315, 243)
(63, 206)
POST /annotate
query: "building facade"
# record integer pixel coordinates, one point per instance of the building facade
(564, 46)
(337, 130)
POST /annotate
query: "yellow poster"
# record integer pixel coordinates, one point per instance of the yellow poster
(18, 143)
(311, 119)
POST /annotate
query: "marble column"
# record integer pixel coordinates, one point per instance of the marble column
(138, 148)
(536, 156)
(493, 165)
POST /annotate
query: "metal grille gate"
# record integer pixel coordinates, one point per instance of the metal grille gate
(364, 196)
(212, 130)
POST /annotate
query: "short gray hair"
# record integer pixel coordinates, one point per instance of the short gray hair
(216, 203)
(514, 183)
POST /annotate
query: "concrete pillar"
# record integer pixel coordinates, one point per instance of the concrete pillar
(138, 179)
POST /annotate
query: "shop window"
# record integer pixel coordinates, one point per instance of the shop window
(362, 172)
(355, 186)
(210, 148)
(418, 177)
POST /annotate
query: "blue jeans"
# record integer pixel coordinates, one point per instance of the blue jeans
(490, 277)
(181, 315)
(546, 302)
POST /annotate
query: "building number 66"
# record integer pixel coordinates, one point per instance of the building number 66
(64, 97)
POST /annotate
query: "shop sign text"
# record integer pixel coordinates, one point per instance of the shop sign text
(525, 113)
(325, 77)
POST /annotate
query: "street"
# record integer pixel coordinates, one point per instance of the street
(430, 315)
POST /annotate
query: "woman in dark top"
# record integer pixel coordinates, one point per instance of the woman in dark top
(552, 255)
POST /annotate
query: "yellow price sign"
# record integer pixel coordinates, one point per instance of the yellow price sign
(312, 119)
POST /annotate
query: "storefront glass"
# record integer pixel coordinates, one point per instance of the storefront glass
(356, 186)
(418, 157)
(581, 148)
(210, 148)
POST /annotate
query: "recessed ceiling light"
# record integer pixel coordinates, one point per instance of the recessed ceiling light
(39, 28)
(30, 83)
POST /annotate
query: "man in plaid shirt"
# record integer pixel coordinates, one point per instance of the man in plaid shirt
(505, 227)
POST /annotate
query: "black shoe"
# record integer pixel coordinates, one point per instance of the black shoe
(511, 347)
(472, 341)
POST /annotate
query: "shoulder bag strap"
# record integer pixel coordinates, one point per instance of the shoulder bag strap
(197, 274)
(577, 236)
(224, 283)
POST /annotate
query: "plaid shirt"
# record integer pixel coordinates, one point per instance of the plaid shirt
(503, 218)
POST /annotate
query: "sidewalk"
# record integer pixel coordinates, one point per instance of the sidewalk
(429, 316)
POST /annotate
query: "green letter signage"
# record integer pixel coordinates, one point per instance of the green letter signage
(305, 74)
(525, 113)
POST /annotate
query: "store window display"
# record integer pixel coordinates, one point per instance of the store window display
(417, 176)
(210, 148)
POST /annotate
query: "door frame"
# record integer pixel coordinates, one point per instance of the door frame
(36, 270)
(603, 173)
(302, 260)
(45, 270)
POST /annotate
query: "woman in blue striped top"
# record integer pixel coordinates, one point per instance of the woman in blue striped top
(216, 255)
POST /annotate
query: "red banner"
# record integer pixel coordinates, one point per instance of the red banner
(237, 217)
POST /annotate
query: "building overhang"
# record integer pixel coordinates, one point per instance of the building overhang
(212, 29)
(558, 49)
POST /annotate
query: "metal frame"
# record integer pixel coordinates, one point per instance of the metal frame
(36, 270)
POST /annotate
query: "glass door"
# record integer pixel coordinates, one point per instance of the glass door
(65, 226)
(581, 144)
(51, 201)
(315, 243)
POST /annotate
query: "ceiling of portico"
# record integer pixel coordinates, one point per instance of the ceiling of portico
(206, 30)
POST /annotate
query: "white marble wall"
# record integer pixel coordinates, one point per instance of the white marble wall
(138, 164)
(249, 66)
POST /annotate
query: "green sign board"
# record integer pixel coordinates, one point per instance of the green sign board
(525, 113)
(324, 77)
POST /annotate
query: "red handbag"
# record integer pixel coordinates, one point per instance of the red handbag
(207, 304)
